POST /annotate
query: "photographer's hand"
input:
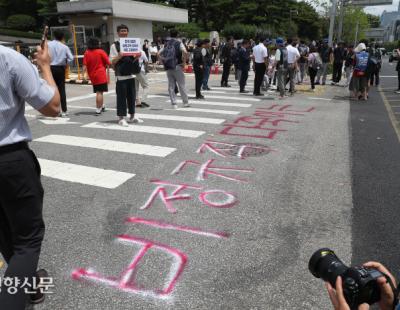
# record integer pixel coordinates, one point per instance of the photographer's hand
(337, 296)
(387, 296)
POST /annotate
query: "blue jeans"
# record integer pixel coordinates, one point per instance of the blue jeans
(206, 76)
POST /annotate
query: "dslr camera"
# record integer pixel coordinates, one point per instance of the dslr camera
(359, 283)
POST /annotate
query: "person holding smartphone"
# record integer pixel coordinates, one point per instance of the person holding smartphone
(21, 192)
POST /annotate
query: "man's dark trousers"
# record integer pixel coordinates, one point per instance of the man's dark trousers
(337, 71)
(225, 73)
(126, 95)
(21, 222)
(243, 78)
(260, 69)
(199, 77)
(59, 77)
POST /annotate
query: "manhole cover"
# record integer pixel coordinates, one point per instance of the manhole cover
(249, 150)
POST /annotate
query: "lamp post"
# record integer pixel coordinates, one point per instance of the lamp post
(290, 16)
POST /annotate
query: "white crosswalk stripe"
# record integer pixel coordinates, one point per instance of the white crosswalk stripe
(212, 111)
(217, 103)
(109, 145)
(83, 175)
(149, 129)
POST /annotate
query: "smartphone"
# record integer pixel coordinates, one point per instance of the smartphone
(44, 36)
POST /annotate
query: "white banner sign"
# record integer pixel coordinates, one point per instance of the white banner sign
(130, 46)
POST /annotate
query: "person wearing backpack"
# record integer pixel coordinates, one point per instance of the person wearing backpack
(326, 55)
(304, 52)
(314, 65)
(339, 55)
(348, 64)
(282, 66)
(360, 77)
(125, 69)
(174, 57)
(376, 57)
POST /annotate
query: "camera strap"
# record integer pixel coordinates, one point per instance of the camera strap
(395, 290)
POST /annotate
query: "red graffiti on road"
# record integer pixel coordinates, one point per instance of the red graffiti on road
(207, 169)
(182, 228)
(126, 281)
(224, 149)
(163, 187)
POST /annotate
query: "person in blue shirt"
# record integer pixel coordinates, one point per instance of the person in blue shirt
(244, 60)
(21, 192)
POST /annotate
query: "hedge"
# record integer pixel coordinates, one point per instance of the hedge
(20, 34)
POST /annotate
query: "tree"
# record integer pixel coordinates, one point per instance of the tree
(353, 16)
(373, 21)
(21, 22)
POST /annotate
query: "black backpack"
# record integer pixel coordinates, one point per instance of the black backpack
(283, 61)
(127, 65)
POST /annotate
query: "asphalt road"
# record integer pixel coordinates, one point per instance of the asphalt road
(252, 197)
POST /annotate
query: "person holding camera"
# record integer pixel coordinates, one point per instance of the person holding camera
(387, 299)
(21, 193)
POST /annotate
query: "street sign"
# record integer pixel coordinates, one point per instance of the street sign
(370, 2)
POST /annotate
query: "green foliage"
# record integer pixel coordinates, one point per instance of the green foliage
(240, 31)
(190, 30)
(373, 21)
(390, 46)
(20, 34)
(21, 22)
(353, 16)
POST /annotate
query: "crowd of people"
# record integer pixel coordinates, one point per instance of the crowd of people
(278, 64)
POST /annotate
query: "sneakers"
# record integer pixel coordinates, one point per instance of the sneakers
(103, 108)
(98, 111)
(39, 297)
(187, 105)
(123, 122)
(135, 120)
(174, 106)
(63, 114)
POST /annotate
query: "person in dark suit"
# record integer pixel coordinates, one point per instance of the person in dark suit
(244, 64)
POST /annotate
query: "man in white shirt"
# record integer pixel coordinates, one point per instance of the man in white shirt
(125, 87)
(293, 57)
(260, 58)
(60, 56)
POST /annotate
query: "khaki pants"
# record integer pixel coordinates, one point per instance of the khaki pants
(141, 80)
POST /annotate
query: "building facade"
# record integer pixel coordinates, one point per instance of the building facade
(101, 17)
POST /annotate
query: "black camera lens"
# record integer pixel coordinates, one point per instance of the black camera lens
(326, 265)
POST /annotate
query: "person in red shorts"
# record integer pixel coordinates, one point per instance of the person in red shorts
(96, 62)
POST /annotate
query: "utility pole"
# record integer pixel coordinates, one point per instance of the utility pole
(341, 18)
(356, 38)
(332, 22)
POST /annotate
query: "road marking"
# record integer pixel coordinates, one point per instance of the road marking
(222, 104)
(226, 112)
(149, 129)
(109, 145)
(215, 97)
(79, 98)
(317, 98)
(56, 121)
(28, 108)
(84, 175)
(201, 120)
(392, 116)
(388, 76)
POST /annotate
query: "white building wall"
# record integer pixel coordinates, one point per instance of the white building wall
(142, 29)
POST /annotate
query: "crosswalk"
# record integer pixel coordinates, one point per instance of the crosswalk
(100, 136)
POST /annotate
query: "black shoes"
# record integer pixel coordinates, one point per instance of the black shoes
(200, 97)
(244, 91)
(39, 297)
(258, 95)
